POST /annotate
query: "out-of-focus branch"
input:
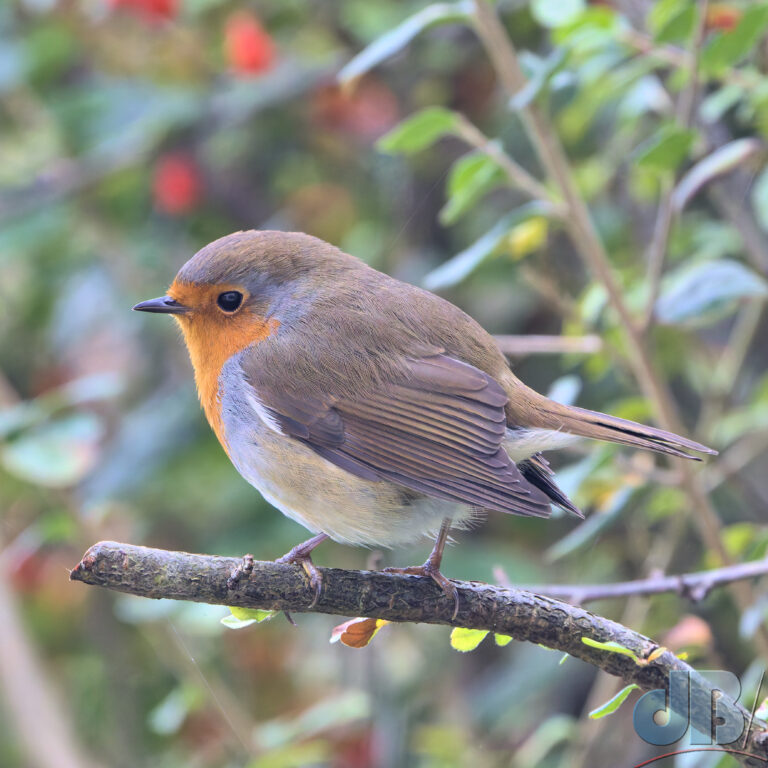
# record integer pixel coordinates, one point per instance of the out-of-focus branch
(665, 213)
(694, 586)
(516, 174)
(523, 615)
(36, 714)
(520, 346)
(677, 57)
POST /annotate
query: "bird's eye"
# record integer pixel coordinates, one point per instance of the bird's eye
(229, 301)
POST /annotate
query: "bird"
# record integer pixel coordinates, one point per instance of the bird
(369, 410)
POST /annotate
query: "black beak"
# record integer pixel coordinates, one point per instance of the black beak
(164, 304)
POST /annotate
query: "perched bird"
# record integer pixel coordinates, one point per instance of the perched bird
(367, 409)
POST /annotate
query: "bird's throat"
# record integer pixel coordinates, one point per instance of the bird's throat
(209, 349)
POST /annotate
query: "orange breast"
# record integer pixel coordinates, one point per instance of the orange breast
(212, 338)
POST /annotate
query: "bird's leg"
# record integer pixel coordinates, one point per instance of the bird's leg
(301, 555)
(431, 567)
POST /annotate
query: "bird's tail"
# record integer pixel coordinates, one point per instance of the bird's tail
(535, 410)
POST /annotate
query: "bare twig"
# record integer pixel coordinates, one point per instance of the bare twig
(677, 57)
(519, 346)
(516, 174)
(35, 710)
(523, 615)
(665, 214)
(694, 586)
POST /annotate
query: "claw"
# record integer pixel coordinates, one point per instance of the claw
(300, 555)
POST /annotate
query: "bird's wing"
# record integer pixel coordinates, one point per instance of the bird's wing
(437, 430)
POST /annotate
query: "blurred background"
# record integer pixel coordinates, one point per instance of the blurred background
(133, 132)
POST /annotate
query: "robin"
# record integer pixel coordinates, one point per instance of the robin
(367, 409)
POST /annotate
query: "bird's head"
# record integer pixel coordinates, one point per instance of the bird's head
(240, 279)
(240, 289)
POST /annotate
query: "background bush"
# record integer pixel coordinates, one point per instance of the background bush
(132, 132)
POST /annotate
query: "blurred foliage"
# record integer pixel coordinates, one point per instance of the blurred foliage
(132, 132)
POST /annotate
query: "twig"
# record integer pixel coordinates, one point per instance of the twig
(677, 57)
(519, 346)
(665, 214)
(523, 615)
(516, 174)
(694, 586)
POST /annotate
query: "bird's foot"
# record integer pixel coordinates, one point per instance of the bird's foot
(433, 571)
(299, 555)
(243, 569)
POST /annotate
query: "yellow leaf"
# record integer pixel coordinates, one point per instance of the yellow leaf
(527, 237)
(463, 639)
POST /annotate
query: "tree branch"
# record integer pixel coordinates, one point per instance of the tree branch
(516, 174)
(665, 213)
(158, 573)
(695, 586)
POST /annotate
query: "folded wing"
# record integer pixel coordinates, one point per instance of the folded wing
(437, 430)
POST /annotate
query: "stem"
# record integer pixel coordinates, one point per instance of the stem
(665, 214)
(516, 174)
(694, 586)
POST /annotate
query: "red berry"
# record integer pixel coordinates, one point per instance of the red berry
(723, 16)
(249, 48)
(177, 186)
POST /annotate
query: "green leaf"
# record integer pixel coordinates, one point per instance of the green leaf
(243, 617)
(666, 149)
(662, 12)
(729, 48)
(471, 177)
(706, 291)
(719, 101)
(557, 14)
(611, 647)
(419, 131)
(679, 27)
(463, 639)
(722, 160)
(502, 640)
(611, 706)
(55, 454)
(463, 264)
(540, 75)
(396, 39)
(759, 199)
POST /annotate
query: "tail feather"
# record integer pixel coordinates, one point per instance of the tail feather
(537, 472)
(604, 427)
(548, 414)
